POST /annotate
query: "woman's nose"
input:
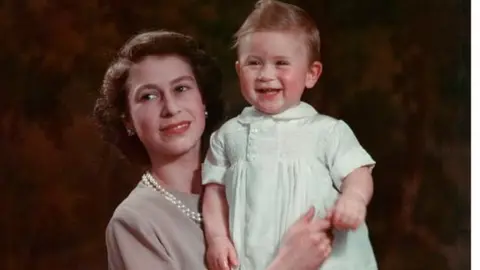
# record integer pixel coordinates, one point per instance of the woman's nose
(170, 107)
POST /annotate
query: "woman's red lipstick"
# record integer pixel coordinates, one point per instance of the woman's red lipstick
(176, 128)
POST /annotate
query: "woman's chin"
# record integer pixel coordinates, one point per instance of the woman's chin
(179, 147)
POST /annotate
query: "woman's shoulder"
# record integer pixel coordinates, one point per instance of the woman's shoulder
(146, 216)
(137, 205)
(145, 205)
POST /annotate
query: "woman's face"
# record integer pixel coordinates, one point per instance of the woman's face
(165, 105)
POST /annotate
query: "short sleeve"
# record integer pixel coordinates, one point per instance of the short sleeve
(132, 244)
(216, 162)
(344, 153)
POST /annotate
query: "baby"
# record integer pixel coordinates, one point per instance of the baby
(269, 164)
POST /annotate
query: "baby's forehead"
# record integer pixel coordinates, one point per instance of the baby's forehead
(278, 43)
(293, 33)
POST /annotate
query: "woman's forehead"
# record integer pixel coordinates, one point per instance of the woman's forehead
(160, 69)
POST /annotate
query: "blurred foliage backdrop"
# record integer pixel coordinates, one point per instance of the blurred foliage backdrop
(398, 71)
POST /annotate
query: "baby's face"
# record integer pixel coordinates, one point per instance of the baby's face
(274, 69)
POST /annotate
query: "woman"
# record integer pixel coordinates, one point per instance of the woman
(158, 104)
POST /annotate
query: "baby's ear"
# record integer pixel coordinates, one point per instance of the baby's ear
(313, 74)
(237, 67)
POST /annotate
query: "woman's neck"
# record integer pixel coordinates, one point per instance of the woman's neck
(181, 173)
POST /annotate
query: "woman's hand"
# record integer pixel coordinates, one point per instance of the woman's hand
(306, 244)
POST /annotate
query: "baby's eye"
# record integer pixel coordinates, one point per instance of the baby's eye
(253, 62)
(282, 63)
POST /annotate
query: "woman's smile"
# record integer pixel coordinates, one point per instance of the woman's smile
(176, 128)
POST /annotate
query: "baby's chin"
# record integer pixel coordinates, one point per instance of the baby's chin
(270, 110)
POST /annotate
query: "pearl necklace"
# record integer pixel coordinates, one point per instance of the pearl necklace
(148, 180)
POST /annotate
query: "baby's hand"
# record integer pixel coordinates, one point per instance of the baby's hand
(349, 212)
(221, 254)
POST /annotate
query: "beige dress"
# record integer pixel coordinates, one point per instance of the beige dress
(147, 232)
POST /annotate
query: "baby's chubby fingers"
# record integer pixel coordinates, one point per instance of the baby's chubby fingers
(339, 214)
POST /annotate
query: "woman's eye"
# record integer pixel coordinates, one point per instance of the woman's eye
(181, 88)
(148, 96)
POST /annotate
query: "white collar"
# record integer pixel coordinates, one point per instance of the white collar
(250, 114)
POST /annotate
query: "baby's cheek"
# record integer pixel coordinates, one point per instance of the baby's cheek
(295, 83)
(248, 75)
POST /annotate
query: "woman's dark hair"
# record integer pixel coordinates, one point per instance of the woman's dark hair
(111, 106)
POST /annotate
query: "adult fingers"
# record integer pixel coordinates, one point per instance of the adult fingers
(305, 218)
(324, 247)
(320, 224)
(308, 216)
(222, 264)
(232, 257)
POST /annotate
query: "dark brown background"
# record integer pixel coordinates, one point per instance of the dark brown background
(398, 71)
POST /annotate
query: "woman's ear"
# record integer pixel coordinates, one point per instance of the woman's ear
(127, 122)
(313, 74)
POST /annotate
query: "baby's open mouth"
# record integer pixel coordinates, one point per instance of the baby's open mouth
(268, 90)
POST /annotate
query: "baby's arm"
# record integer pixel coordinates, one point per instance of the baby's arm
(215, 211)
(220, 250)
(350, 168)
(359, 184)
(351, 207)
(221, 253)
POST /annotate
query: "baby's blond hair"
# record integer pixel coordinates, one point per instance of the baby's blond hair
(272, 15)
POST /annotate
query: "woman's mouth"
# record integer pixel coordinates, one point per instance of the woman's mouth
(176, 128)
